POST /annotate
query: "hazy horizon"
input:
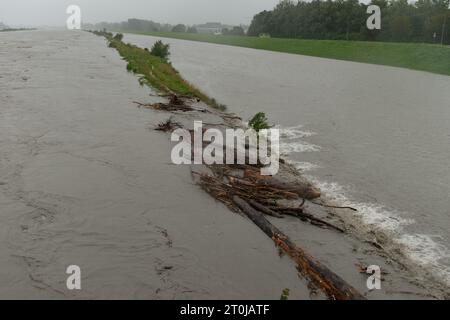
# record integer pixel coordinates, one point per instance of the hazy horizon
(53, 12)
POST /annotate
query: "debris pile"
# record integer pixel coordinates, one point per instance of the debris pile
(243, 189)
(176, 103)
(168, 125)
(263, 193)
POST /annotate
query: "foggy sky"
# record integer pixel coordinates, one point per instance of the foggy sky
(53, 12)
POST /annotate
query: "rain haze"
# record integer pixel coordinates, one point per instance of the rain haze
(52, 12)
(204, 150)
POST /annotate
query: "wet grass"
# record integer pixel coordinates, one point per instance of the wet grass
(415, 56)
(158, 73)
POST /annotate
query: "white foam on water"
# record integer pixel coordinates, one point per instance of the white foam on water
(304, 166)
(424, 250)
(427, 252)
(371, 214)
(295, 132)
(290, 140)
(297, 147)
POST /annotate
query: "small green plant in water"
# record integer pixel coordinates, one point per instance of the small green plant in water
(161, 50)
(285, 294)
(118, 37)
(131, 67)
(259, 122)
(218, 106)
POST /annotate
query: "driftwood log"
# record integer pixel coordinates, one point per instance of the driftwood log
(176, 103)
(330, 283)
(304, 191)
(264, 209)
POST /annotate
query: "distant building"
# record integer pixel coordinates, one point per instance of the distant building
(3, 26)
(210, 28)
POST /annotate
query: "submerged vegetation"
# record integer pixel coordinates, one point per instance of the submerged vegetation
(285, 294)
(156, 71)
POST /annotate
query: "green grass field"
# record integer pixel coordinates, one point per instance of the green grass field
(416, 56)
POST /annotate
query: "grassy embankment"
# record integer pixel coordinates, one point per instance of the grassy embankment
(416, 56)
(157, 73)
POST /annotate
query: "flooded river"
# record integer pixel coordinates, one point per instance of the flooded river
(373, 137)
(85, 181)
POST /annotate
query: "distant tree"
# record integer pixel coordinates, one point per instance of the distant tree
(165, 28)
(180, 28)
(141, 25)
(237, 31)
(192, 29)
(420, 21)
(401, 20)
(261, 23)
(400, 28)
(225, 31)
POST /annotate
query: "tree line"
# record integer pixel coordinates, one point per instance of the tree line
(422, 21)
(132, 25)
(140, 25)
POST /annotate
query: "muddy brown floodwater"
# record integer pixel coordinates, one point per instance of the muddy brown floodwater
(83, 181)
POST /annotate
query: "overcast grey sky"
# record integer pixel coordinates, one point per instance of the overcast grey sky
(53, 12)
